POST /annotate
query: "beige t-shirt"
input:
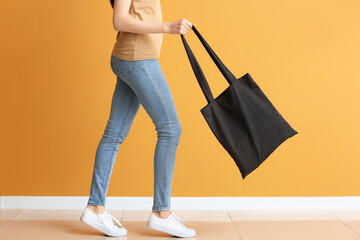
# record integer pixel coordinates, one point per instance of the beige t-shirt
(138, 46)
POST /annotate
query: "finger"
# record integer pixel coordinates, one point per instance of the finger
(183, 30)
(190, 24)
(183, 26)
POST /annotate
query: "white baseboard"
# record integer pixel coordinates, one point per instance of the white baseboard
(48, 202)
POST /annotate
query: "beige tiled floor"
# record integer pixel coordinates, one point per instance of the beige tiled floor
(16, 224)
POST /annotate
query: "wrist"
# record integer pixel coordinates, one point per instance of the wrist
(165, 27)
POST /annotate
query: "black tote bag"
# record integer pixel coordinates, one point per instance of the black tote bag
(241, 117)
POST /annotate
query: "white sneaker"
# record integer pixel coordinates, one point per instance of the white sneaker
(173, 225)
(103, 222)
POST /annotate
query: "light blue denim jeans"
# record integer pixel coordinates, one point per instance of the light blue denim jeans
(140, 82)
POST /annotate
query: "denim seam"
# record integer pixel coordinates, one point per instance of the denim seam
(117, 137)
(130, 69)
(161, 209)
(118, 71)
(162, 101)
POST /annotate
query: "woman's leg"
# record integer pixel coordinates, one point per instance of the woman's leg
(124, 107)
(147, 80)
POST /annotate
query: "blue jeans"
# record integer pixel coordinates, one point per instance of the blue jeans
(138, 82)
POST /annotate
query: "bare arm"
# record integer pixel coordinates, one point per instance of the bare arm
(123, 21)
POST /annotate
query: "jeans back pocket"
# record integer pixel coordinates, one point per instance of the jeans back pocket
(121, 66)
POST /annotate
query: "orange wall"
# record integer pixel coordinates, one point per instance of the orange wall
(57, 85)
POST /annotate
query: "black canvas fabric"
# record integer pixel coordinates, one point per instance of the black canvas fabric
(241, 117)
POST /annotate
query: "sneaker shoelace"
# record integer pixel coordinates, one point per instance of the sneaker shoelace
(111, 220)
(180, 221)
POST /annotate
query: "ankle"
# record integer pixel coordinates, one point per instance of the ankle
(96, 209)
(162, 214)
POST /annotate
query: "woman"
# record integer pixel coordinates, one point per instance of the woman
(140, 81)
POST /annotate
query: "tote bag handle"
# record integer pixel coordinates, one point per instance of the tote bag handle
(197, 69)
